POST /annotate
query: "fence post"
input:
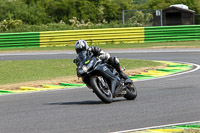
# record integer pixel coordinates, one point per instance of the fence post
(161, 18)
(123, 16)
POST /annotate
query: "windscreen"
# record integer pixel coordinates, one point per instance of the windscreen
(82, 56)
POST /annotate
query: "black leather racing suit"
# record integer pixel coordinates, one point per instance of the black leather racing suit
(113, 61)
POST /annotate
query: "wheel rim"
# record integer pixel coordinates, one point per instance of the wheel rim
(105, 91)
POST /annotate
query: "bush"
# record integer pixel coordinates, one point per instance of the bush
(60, 26)
(5, 25)
(76, 23)
(18, 10)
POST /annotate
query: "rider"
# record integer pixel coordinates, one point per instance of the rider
(81, 45)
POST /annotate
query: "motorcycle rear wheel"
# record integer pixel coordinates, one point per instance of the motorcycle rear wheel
(131, 92)
(104, 94)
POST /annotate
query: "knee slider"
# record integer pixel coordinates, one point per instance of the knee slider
(114, 61)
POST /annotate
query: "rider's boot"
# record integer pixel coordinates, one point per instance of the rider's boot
(123, 75)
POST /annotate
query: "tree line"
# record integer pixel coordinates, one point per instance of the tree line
(37, 12)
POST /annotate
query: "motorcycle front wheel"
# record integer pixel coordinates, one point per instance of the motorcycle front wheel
(102, 93)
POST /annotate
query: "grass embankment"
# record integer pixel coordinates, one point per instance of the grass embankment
(191, 131)
(186, 44)
(14, 72)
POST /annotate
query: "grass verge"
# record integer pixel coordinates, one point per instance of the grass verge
(191, 131)
(13, 72)
(182, 44)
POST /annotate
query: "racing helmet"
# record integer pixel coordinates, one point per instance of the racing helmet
(81, 45)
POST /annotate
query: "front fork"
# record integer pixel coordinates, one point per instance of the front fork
(104, 85)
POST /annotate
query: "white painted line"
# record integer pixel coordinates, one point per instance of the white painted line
(153, 127)
(152, 50)
(110, 51)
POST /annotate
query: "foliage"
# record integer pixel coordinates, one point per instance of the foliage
(79, 13)
(143, 18)
(62, 26)
(53, 11)
(8, 24)
(76, 23)
(18, 10)
(139, 1)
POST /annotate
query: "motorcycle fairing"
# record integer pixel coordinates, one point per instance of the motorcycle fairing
(103, 69)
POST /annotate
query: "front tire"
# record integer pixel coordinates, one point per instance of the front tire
(103, 93)
(131, 92)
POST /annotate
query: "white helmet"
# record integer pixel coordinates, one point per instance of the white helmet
(81, 45)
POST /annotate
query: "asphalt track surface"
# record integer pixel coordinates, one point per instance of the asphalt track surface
(162, 101)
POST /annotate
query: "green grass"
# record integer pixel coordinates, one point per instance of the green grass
(113, 46)
(33, 70)
(134, 64)
(191, 131)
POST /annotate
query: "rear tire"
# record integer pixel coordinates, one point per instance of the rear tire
(131, 92)
(104, 94)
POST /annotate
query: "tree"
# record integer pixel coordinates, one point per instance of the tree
(113, 8)
(19, 10)
(139, 1)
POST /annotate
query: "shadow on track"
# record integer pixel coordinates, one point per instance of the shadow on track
(82, 102)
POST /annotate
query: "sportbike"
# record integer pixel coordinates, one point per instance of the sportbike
(102, 78)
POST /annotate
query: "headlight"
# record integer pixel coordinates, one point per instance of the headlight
(84, 68)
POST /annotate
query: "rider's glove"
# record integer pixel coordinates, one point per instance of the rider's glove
(76, 62)
(78, 75)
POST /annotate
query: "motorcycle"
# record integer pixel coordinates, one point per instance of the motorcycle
(102, 78)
